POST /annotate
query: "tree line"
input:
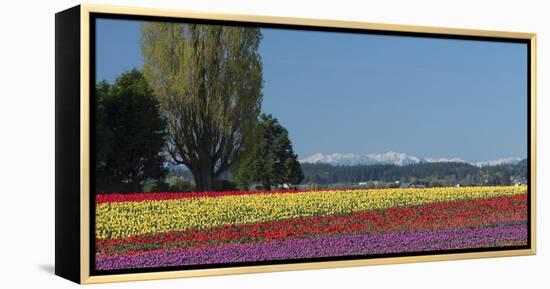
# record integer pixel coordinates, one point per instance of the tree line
(196, 102)
(432, 174)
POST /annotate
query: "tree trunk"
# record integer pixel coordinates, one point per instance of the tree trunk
(204, 178)
(266, 185)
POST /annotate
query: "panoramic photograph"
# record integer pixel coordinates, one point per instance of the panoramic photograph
(217, 145)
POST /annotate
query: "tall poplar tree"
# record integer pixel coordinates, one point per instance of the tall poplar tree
(208, 79)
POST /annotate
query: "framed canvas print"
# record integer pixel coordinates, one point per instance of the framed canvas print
(193, 144)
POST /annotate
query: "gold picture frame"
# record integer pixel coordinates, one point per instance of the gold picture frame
(82, 15)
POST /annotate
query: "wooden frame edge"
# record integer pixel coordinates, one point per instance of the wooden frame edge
(84, 144)
(533, 148)
(86, 9)
(140, 11)
(300, 266)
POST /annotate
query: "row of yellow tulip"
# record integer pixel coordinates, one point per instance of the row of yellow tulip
(125, 219)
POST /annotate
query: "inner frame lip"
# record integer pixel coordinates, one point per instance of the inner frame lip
(522, 38)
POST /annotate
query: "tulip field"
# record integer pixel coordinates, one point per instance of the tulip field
(147, 230)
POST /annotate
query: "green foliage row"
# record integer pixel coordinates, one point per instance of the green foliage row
(431, 174)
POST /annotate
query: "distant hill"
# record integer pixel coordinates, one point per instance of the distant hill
(394, 158)
(523, 163)
(434, 173)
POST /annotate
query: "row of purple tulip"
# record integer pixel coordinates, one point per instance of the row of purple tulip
(499, 234)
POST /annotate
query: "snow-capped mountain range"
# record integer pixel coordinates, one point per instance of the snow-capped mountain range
(395, 158)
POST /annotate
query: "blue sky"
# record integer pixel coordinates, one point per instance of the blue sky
(357, 93)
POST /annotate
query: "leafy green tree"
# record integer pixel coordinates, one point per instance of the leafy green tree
(130, 134)
(208, 79)
(104, 135)
(272, 161)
